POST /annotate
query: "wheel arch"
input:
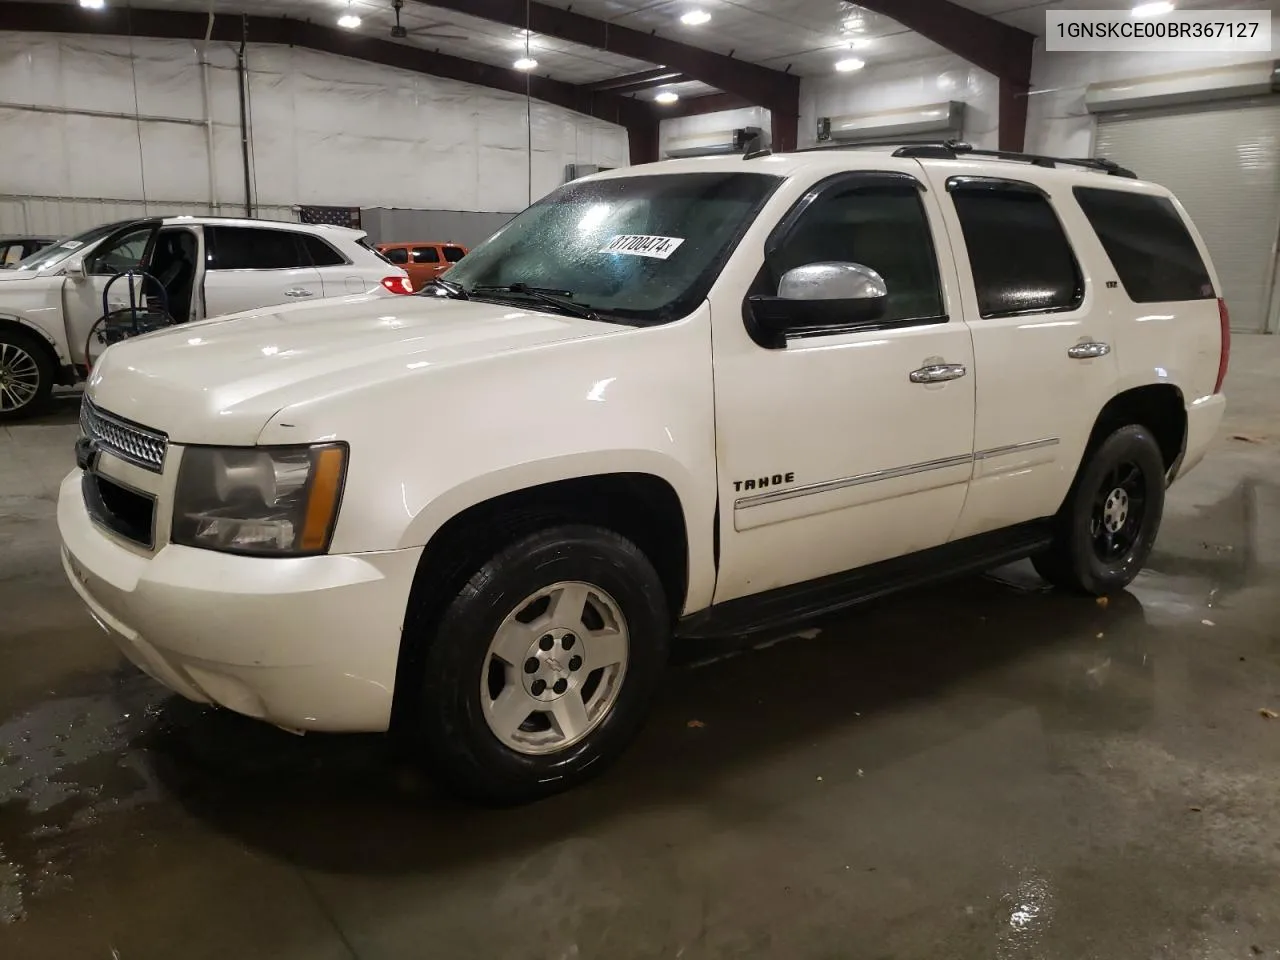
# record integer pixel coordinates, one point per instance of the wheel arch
(1160, 407)
(38, 333)
(642, 506)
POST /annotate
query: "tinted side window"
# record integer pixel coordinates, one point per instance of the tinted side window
(1021, 259)
(398, 255)
(251, 248)
(322, 255)
(454, 254)
(882, 227)
(1148, 244)
(426, 255)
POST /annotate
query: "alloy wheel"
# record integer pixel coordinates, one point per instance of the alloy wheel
(1118, 512)
(554, 668)
(19, 377)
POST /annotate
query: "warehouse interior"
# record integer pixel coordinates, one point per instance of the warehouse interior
(986, 768)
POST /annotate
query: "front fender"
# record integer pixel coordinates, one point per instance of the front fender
(36, 305)
(436, 440)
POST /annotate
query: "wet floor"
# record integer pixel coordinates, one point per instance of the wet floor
(980, 770)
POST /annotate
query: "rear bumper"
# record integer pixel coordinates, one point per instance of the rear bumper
(1204, 417)
(308, 643)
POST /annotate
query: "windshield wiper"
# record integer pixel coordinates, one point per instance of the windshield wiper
(560, 299)
(454, 291)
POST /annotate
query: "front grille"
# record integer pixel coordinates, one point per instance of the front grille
(130, 514)
(128, 441)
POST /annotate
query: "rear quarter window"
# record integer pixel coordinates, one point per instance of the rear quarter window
(396, 255)
(1148, 245)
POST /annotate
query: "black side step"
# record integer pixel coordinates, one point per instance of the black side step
(805, 601)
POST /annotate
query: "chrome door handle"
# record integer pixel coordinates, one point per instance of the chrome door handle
(1088, 350)
(298, 292)
(938, 373)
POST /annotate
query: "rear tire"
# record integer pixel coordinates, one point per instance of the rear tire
(26, 375)
(1108, 525)
(542, 667)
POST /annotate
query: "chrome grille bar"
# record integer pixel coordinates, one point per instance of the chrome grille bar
(138, 445)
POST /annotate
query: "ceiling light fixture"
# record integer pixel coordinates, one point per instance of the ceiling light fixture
(349, 20)
(849, 64)
(1157, 9)
(93, 4)
(695, 18)
(525, 63)
(667, 96)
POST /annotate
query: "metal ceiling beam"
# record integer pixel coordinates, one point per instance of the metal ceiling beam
(760, 85)
(994, 46)
(645, 80)
(986, 43)
(181, 25)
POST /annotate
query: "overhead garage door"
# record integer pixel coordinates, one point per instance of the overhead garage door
(1222, 163)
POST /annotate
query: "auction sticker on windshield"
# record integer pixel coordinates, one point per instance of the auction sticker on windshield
(642, 245)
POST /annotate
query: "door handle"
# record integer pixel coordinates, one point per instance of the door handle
(299, 292)
(938, 373)
(1088, 350)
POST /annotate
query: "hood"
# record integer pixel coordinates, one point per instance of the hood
(221, 380)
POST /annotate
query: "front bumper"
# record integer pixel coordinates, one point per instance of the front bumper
(307, 643)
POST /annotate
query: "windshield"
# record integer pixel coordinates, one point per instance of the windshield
(643, 248)
(61, 249)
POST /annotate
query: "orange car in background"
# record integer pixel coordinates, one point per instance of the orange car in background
(423, 261)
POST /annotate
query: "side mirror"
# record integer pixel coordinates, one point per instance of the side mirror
(818, 296)
(75, 268)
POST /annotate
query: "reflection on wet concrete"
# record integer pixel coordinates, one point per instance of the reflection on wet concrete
(982, 769)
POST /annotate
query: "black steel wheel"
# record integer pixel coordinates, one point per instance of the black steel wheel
(1108, 524)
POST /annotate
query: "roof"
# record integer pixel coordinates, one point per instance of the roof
(269, 224)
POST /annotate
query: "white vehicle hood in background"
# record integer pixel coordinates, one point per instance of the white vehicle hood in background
(221, 380)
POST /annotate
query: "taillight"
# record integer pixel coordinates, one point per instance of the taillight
(398, 284)
(1224, 353)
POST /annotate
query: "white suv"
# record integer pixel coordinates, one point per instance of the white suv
(698, 397)
(202, 267)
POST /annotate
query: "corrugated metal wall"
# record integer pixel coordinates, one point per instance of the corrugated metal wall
(61, 216)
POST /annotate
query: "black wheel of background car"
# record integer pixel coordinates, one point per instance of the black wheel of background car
(26, 375)
(1109, 523)
(543, 666)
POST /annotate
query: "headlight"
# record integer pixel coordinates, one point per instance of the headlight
(273, 501)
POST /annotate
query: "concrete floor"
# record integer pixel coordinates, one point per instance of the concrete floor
(982, 770)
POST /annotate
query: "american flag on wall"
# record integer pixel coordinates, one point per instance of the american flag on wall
(335, 216)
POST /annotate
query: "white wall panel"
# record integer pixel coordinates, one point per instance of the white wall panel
(325, 130)
(900, 85)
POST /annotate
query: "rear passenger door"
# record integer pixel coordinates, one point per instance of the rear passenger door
(251, 267)
(426, 264)
(1042, 342)
(337, 274)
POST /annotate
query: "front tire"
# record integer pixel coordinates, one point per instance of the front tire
(1108, 525)
(26, 375)
(543, 666)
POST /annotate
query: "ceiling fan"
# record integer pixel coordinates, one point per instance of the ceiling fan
(428, 31)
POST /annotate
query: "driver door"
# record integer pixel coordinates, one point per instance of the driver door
(127, 249)
(851, 442)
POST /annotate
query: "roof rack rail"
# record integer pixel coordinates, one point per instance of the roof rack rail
(954, 149)
(858, 144)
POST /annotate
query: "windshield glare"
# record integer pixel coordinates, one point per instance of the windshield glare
(645, 248)
(57, 252)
